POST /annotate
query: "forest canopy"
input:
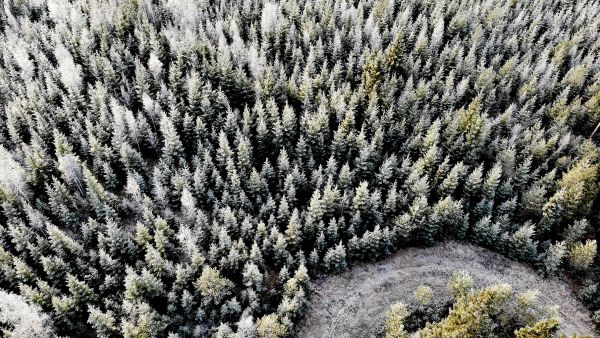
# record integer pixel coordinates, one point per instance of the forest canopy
(183, 168)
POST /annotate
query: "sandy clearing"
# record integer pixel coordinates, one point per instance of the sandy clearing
(353, 303)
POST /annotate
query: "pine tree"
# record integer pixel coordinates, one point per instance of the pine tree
(335, 259)
(270, 326)
(80, 292)
(212, 287)
(521, 243)
(294, 231)
(12, 181)
(172, 147)
(142, 321)
(395, 318)
(582, 255)
(577, 191)
(555, 254)
(142, 286)
(252, 276)
(373, 71)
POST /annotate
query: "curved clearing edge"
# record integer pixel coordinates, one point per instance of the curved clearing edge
(353, 304)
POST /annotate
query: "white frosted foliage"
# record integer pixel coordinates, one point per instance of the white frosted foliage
(70, 73)
(12, 175)
(24, 319)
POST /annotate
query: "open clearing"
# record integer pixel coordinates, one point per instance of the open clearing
(354, 303)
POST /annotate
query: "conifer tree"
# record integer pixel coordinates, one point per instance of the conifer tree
(270, 326)
(335, 259)
(581, 255)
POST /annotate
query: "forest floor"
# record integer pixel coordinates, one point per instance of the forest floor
(353, 304)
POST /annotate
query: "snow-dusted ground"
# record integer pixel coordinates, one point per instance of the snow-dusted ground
(354, 303)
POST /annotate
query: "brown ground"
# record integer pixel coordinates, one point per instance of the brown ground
(353, 304)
